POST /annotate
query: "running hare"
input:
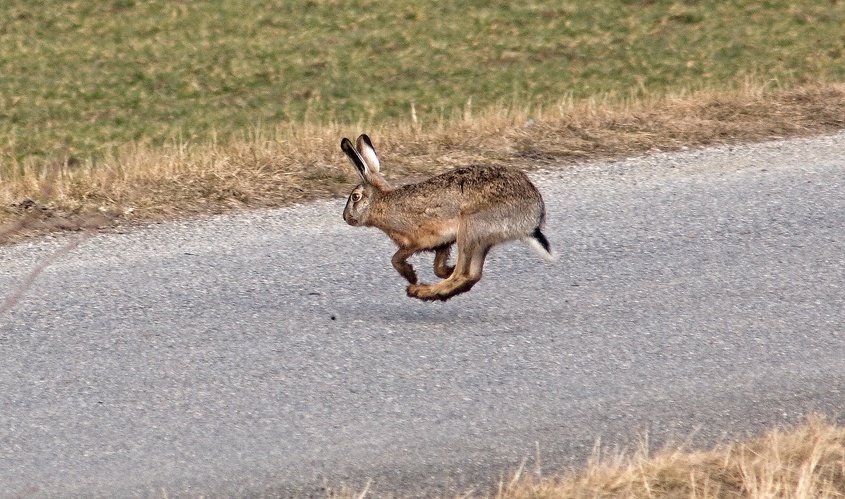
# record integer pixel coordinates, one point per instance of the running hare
(475, 206)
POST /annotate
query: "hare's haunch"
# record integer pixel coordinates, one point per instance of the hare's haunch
(476, 207)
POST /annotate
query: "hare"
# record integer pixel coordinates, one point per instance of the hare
(475, 206)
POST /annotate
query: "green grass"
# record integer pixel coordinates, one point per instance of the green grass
(78, 78)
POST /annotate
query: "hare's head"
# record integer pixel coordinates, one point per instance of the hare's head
(363, 157)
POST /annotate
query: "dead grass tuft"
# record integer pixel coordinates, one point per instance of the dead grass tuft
(297, 162)
(806, 462)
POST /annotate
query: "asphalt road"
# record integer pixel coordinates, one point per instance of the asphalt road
(698, 296)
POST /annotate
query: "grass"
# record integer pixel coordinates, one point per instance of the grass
(293, 163)
(81, 77)
(801, 463)
(138, 109)
(804, 462)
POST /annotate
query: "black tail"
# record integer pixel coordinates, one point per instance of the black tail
(542, 240)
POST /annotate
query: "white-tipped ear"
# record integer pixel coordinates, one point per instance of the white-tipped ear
(354, 158)
(368, 152)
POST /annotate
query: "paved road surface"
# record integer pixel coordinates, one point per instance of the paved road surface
(274, 352)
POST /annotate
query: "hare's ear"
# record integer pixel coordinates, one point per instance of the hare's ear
(354, 158)
(368, 152)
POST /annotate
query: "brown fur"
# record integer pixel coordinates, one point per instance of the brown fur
(476, 207)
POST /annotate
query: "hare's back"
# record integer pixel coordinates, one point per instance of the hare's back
(497, 191)
(486, 183)
(499, 202)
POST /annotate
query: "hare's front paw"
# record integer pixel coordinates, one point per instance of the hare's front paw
(414, 289)
(407, 271)
(444, 272)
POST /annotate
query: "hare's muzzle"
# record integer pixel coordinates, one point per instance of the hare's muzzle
(348, 218)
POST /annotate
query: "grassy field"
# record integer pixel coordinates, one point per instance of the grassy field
(137, 109)
(81, 77)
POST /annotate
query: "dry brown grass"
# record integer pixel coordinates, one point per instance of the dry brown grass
(298, 162)
(805, 462)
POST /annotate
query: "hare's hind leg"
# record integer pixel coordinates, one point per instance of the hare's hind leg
(442, 269)
(467, 272)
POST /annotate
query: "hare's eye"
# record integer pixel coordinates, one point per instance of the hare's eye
(356, 196)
